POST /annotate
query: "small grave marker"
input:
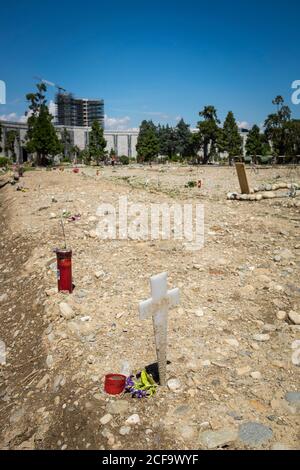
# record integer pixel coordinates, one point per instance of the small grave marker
(243, 180)
(157, 306)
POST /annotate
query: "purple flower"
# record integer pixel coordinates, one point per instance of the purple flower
(129, 384)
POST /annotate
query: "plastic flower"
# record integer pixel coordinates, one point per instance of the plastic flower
(141, 387)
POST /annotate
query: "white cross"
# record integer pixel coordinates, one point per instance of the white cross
(162, 299)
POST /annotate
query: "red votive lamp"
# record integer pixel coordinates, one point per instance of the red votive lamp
(64, 270)
(114, 384)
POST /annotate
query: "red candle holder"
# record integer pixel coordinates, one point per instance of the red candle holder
(64, 270)
(114, 384)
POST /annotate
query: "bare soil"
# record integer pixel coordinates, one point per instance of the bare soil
(51, 387)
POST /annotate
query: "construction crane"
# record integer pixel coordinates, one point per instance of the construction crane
(60, 88)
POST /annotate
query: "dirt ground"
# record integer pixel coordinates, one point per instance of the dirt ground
(232, 342)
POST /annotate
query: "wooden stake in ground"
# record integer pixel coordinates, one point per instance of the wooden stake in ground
(243, 180)
(157, 306)
(63, 231)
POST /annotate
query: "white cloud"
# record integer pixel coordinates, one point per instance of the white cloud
(243, 125)
(9, 117)
(116, 124)
(14, 117)
(23, 118)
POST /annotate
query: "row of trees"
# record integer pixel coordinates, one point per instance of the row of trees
(281, 131)
(173, 142)
(181, 141)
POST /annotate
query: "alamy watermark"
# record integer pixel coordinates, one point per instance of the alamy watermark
(138, 221)
(296, 94)
(2, 92)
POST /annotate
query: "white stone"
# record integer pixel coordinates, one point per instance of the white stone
(99, 274)
(49, 360)
(3, 298)
(281, 315)
(206, 363)
(66, 311)
(124, 430)
(261, 337)
(243, 370)
(269, 195)
(106, 419)
(294, 317)
(296, 344)
(157, 306)
(296, 357)
(232, 342)
(133, 419)
(256, 375)
(174, 384)
(92, 234)
(205, 425)
(199, 312)
(52, 215)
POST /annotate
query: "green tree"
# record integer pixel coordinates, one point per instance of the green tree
(183, 138)
(195, 146)
(66, 142)
(41, 135)
(148, 142)
(167, 140)
(278, 101)
(75, 150)
(97, 143)
(231, 138)
(257, 143)
(209, 131)
(112, 153)
(292, 137)
(85, 156)
(11, 137)
(276, 127)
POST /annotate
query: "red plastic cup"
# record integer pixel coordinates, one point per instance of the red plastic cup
(114, 384)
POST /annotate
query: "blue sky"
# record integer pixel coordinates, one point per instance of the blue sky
(157, 60)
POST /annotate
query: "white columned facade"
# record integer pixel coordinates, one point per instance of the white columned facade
(122, 142)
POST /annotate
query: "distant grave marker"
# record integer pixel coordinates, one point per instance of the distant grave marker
(243, 180)
(157, 306)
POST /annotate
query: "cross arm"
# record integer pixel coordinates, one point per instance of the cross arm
(145, 309)
(173, 296)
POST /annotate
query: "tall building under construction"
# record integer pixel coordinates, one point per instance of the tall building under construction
(71, 111)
